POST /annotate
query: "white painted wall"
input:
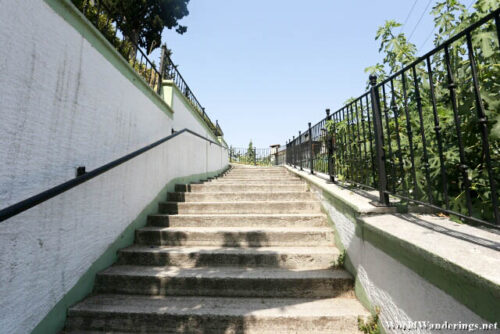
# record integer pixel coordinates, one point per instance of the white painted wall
(63, 105)
(185, 116)
(401, 294)
(45, 250)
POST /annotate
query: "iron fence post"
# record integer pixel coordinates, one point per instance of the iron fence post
(379, 148)
(162, 67)
(300, 155)
(294, 152)
(286, 152)
(329, 146)
(255, 156)
(311, 166)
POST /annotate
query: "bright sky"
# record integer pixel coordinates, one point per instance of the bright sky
(264, 68)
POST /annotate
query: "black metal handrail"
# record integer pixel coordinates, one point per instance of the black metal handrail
(101, 17)
(421, 135)
(32, 201)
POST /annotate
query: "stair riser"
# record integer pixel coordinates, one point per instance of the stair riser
(224, 287)
(240, 208)
(257, 174)
(191, 260)
(228, 197)
(256, 181)
(225, 221)
(243, 239)
(203, 324)
(214, 187)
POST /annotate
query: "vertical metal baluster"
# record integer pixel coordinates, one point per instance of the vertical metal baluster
(311, 153)
(379, 142)
(398, 139)
(410, 139)
(364, 139)
(497, 24)
(437, 129)
(294, 153)
(359, 141)
(286, 153)
(148, 73)
(330, 149)
(300, 150)
(352, 142)
(463, 163)
(340, 147)
(425, 157)
(370, 138)
(97, 15)
(347, 144)
(84, 8)
(389, 161)
(483, 126)
(140, 64)
(355, 143)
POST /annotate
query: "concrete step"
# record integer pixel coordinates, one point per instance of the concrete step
(239, 196)
(225, 282)
(259, 177)
(241, 207)
(235, 236)
(251, 168)
(199, 315)
(190, 257)
(239, 220)
(272, 181)
(259, 173)
(235, 187)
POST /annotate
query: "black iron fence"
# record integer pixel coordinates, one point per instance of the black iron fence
(103, 18)
(429, 134)
(257, 156)
(254, 156)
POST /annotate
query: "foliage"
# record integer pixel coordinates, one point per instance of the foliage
(250, 152)
(370, 326)
(144, 20)
(340, 262)
(414, 149)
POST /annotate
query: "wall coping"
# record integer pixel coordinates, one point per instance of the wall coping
(462, 260)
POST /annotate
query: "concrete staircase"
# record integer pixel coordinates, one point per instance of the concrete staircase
(249, 252)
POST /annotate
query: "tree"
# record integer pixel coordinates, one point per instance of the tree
(250, 152)
(143, 21)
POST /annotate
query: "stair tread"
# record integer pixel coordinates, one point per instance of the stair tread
(231, 250)
(243, 202)
(233, 273)
(220, 306)
(242, 215)
(207, 193)
(230, 229)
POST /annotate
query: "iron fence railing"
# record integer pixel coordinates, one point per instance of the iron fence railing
(255, 156)
(100, 15)
(426, 134)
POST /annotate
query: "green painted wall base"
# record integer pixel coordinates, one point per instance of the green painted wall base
(55, 319)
